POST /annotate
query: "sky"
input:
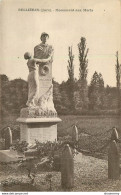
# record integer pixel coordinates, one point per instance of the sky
(20, 32)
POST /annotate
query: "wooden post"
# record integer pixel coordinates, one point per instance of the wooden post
(67, 168)
(114, 135)
(8, 138)
(113, 161)
(75, 134)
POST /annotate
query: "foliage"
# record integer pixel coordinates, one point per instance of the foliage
(65, 105)
(3, 83)
(49, 180)
(47, 149)
(2, 144)
(83, 71)
(83, 100)
(3, 79)
(57, 96)
(20, 146)
(83, 59)
(70, 82)
(96, 91)
(70, 66)
(13, 95)
(118, 71)
(118, 79)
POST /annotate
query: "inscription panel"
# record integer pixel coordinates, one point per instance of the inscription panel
(42, 134)
(24, 134)
(45, 81)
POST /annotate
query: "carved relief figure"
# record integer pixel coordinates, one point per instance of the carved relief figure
(33, 79)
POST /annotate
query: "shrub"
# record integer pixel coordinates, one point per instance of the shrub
(2, 144)
(20, 146)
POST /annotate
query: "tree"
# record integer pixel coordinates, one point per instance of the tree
(56, 96)
(14, 96)
(118, 71)
(83, 59)
(70, 81)
(3, 79)
(83, 71)
(118, 79)
(3, 84)
(111, 100)
(96, 91)
(65, 103)
(18, 94)
(101, 83)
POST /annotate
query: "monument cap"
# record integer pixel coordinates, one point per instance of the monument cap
(44, 33)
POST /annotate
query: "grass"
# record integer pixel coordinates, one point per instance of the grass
(90, 174)
(89, 124)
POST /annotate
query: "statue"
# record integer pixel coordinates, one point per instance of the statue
(32, 80)
(38, 121)
(43, 50)
(40, 95)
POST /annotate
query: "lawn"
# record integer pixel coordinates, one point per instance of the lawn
(89, 124)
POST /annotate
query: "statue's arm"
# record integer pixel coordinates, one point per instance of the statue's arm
(50, 55)
(42, 60)
(35, 52)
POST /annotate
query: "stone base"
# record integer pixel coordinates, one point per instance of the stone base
(37, 112)
(41, 129)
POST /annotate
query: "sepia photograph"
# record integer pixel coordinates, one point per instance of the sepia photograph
(60, 96)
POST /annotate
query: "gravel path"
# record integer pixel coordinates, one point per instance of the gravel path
(91, 174)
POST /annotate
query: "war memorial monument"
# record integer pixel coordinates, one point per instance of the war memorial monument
(38, 121)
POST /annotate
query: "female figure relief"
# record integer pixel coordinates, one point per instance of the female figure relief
(33, 79)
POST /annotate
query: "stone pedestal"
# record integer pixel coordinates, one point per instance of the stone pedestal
(41, 129)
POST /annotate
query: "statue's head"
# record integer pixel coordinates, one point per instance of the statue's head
(27, 56)
(44, 37)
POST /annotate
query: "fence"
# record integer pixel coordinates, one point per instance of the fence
(91, 143)
(114, 169)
